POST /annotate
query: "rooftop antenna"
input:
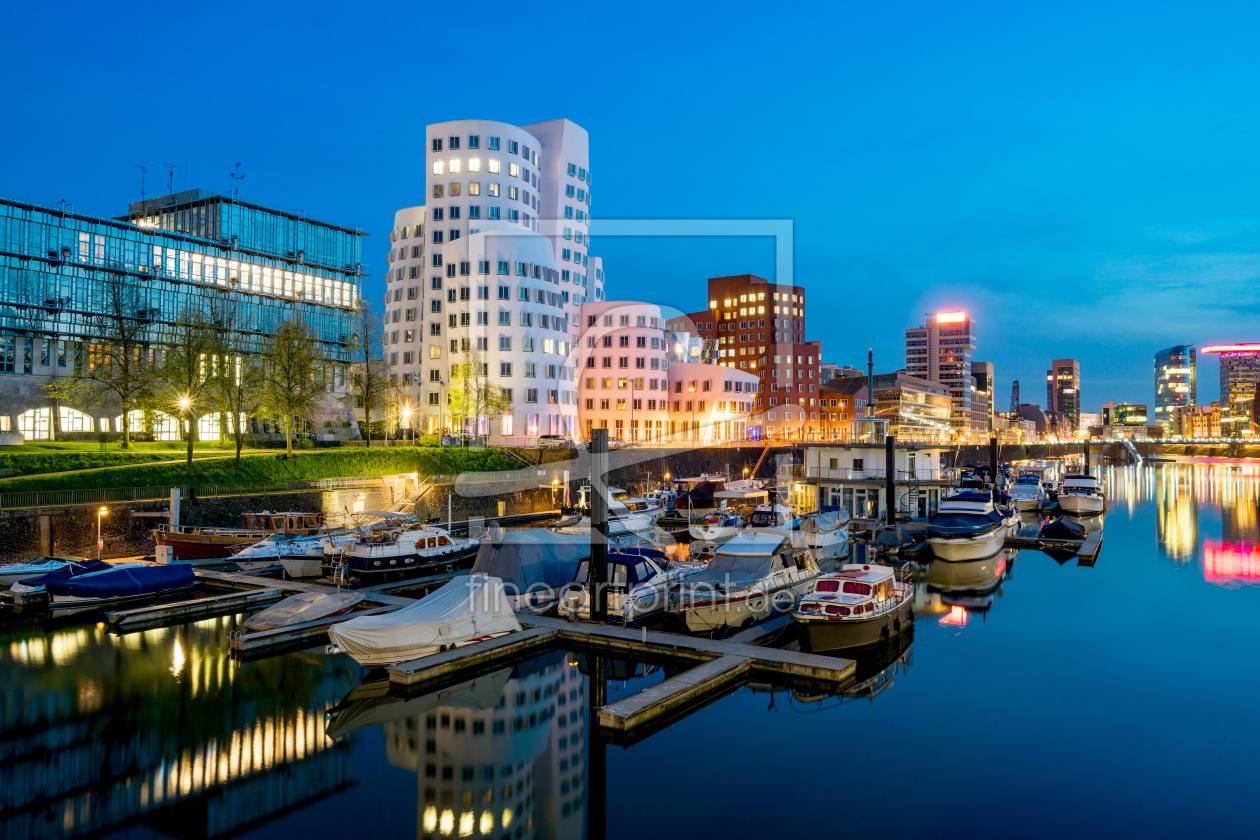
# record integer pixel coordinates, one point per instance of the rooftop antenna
(237, 177)
(170, 177)
(144, 170)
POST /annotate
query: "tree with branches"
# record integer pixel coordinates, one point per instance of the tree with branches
(471, 394)
(289, 377)
(237, 371)
(118, 366)
(183, 382)
(369, 381)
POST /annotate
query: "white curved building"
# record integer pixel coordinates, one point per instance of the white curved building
(497, 261)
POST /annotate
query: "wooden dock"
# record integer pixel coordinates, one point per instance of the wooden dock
(714, 666)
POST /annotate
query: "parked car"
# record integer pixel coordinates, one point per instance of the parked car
(554, 442)
(614, 443)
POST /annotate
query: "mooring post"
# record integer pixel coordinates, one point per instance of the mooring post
(599, 525)
(1086, 456)
(890, 477)
(597, 761)
(993, 460)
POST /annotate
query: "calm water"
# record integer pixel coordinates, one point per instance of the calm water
(1034, 699)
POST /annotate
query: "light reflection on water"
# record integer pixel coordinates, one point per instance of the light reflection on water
(1053, 677)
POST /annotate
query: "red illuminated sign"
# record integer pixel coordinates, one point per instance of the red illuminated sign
(1231, 348)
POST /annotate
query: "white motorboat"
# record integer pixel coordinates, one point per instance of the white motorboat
(751, 577)
(468, 609)
(11, 573)
(1082, 495)
(1028, 493)
(968, 526)
(626, 514)
(719, 524)
(386, 554)
(638, 583)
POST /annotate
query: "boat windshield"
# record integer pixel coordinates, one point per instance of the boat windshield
(852, 587)
(828, 586)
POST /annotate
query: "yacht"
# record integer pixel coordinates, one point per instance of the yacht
(1027, 493)
(638, 583)
(720, 524)
(386, 554)
(857, 606)
(1081, 494)
(751, 577)
(967, 526)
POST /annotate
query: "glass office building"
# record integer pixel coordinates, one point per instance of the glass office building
(176, 253)
(1174, 382)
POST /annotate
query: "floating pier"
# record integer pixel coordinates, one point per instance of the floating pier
(196, 609)
(714, 667)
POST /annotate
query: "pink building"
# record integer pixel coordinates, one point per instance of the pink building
(631, 381)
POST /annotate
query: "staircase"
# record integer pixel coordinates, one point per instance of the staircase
(765, 450)
(1133, 451)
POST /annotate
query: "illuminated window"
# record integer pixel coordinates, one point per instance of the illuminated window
(454, 167)
(492, 165)
(437, 167)
(474, 165)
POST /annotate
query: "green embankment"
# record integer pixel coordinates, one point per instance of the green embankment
(304, 466)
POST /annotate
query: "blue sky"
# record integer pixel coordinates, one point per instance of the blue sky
(1080, 177)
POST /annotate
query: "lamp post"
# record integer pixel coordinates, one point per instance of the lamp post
(99, 513)
(406, 413)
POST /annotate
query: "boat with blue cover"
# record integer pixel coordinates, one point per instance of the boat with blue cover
(34, 588)
(119, 584)
(968, 526)
(11, 573)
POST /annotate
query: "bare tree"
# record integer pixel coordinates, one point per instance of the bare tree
(118, 366)
(369, 383)
(183, 378)
(290, 383)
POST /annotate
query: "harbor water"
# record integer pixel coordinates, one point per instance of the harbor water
(1034, 698)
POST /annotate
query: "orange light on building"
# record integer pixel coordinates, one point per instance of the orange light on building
(950, 317)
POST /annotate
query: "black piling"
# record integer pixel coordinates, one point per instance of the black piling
(993, 459)
(1087, 456)
(890, 477)
(599, 524)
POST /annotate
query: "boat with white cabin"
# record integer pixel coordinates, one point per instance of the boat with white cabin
(626, 514)
(719, 524)
(1028, 493)
(1082, 495)
(380, 555)
(750, 578)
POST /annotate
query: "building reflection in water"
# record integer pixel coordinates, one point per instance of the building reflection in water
(98, 731)
(499, 756)
(1185, 492)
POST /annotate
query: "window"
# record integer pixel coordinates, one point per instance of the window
(531, 396)
(504, 291)
(437, 145)
(474, 141)
(505, 318)
(493, 213)
(505, 344)
(505, 368)
(493, 144)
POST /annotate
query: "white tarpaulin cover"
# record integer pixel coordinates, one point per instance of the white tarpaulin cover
(305, 606)
(466, 608)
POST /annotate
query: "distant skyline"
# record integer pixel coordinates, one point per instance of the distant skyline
(1081, 179)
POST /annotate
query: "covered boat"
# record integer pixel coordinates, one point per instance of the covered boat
(857, 606)
(305, 606)
(827, 533)
(119, 584)
(11, 573)
(967, 527)
(535, 565)
(774, 516)
(467, 609)
(33, 587)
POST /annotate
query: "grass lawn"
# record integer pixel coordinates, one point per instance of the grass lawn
(306, 466)
(35, 458)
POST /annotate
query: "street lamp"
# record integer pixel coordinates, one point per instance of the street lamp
(184, 404)
(101, 512)
(406, 413)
